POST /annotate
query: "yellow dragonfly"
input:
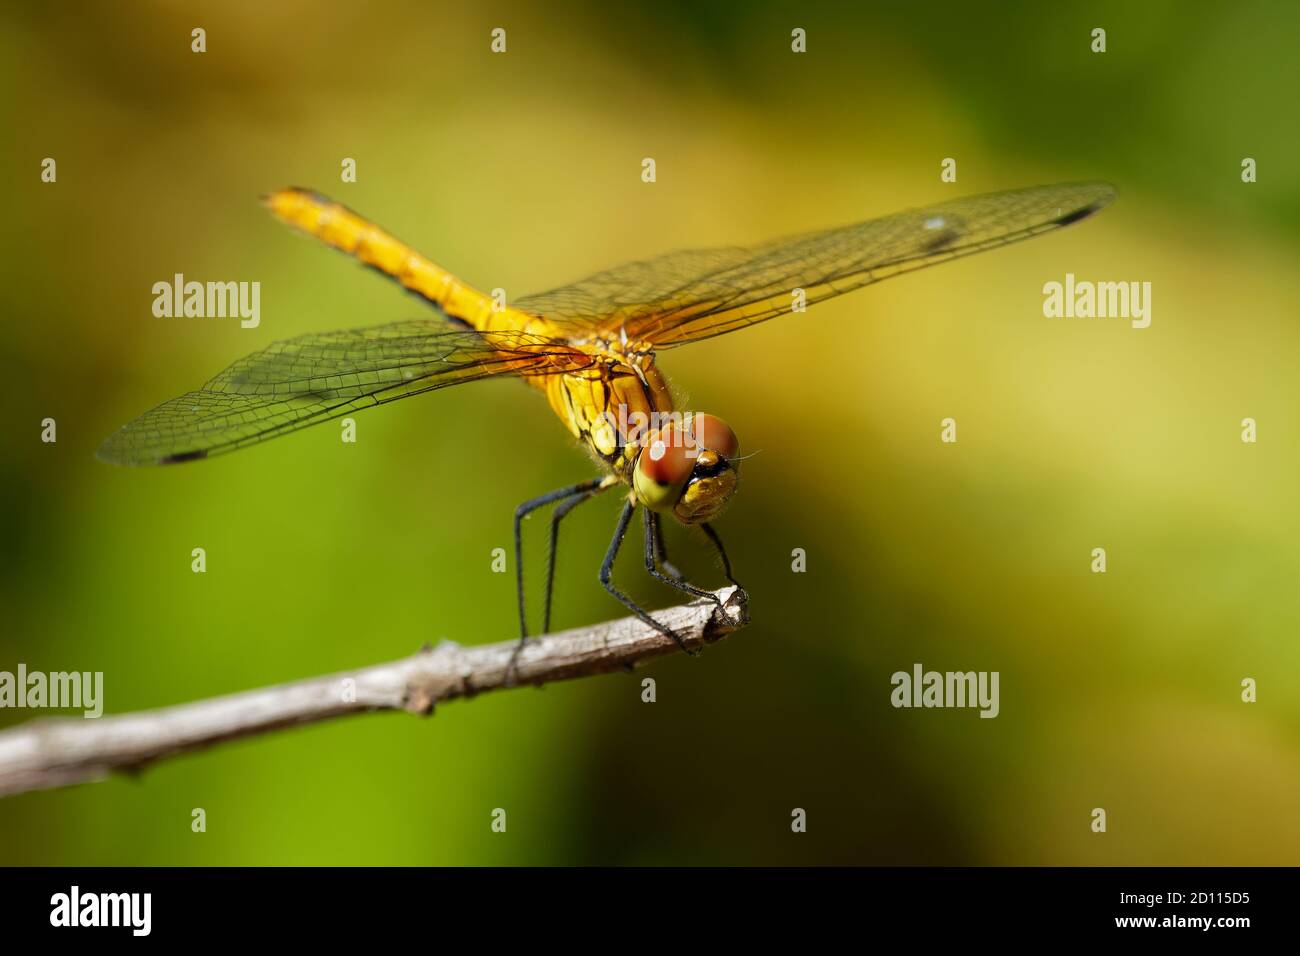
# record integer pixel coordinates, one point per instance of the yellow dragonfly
(590, 347)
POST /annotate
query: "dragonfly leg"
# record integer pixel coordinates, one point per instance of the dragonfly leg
(722, 553)
(522, 512)
(557, 516)
(607, 569)
(658, 568)
(662, 552)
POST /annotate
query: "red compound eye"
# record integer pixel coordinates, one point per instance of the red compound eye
(664, 459)
(713, 434)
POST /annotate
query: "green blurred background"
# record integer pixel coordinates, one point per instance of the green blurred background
(522, 171)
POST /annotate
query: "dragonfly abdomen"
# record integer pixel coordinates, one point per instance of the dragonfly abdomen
(339, 227)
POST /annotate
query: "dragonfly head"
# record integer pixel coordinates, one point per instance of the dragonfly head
(688, 469)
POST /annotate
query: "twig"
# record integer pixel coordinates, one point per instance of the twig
(55, 752)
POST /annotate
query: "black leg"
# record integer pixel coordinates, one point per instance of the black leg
(653, 556)
(662, 552)
(722, 553)
(522, 512)
(557, 516)
(607, 569)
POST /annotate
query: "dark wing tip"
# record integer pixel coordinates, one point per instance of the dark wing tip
(1075, 215)
(183, 456)
(1104, 195)
(109, 452)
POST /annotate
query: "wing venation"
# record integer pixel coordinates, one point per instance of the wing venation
(696, 294)
(314, 378)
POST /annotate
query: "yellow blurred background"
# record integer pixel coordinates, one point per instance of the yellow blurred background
(523, 170)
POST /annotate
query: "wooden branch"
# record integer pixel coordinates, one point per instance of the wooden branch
(56, 752)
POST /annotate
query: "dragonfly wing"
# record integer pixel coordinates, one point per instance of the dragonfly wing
(314, 378)
(696, 294)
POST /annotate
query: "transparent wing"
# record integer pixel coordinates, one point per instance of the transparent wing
(314, 378)
(696, 294)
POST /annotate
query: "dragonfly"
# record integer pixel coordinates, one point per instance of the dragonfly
(589, 347)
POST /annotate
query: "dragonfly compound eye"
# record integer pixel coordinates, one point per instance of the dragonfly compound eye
(664, 467)
(713, 434)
